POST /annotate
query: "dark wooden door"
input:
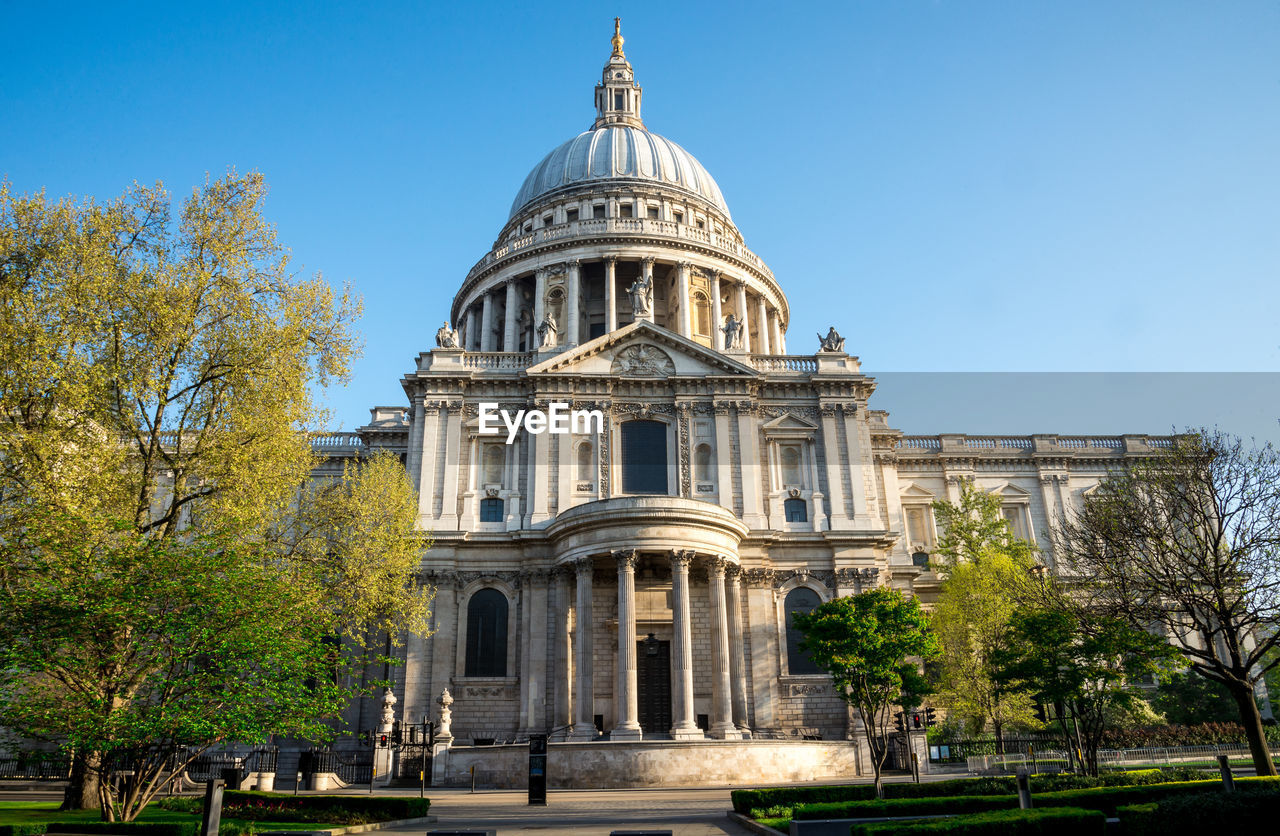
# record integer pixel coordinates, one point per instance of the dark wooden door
(653, 678)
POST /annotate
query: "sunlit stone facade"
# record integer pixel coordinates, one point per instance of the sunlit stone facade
(634, 586)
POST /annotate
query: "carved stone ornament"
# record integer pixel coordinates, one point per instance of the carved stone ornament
(832, 342)
(388, 711)
(643, 361)
(447, 337)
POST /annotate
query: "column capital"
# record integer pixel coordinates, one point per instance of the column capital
(680, 559)
(648, 261)
(572, 262)
(733, 572)
(583, 566)
(626, 559)
(716, 566)
(610, 259)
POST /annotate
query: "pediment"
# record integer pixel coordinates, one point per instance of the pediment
(915, 492)
(788, 422)
(641, 350)
(1009, 491)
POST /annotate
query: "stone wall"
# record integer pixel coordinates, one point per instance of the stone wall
(710, 763)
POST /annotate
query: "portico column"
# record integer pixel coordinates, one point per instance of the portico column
(737, 665)
(682, 291)
(683, 726)
(626, 709)
(571, 304)
(486, 324)
(742, 315)
(717, 336)
(776, 330)
(509, 327)
(562, 715)
(539, 302)
(610, 294)
(721, 701)
(762, 325)
(470, 339)
(584, 724)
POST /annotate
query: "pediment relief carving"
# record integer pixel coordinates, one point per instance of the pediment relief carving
(642, 360)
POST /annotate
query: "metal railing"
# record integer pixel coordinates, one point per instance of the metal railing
(35, 766)
(1057, 759)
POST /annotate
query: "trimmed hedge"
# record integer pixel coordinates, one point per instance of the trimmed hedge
(133, 828)
(1253, 809)
(744, 801)
(270, 806)
(1056, 821)
(32, 829)
(1106, 799)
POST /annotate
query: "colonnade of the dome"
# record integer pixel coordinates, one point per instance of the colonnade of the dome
(568, 302)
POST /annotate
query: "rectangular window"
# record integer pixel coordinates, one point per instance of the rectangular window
(548, 220)
(617, 101)
(797, 510)
(570, 215)
(652, 213)
(644, 457)
(1017, 517)
(597, 211)
(678, 217)
(491, 510)
(625, 210)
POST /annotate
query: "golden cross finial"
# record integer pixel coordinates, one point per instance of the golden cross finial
(617, 36)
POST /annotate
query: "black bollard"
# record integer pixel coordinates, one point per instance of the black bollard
(212, 816)
(1228, 780)
(1024, 790)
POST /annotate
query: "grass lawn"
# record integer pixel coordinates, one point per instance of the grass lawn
(28, 812)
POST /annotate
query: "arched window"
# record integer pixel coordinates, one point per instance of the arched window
(702, 463)
(493, 461)
(701, 315)
(491, 510)
(800, 599)
(796, 510)
(791, 466)
(644, 457)
(585, 463)
(487, 634)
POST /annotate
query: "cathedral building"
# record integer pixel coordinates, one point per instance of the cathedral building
(626, 588)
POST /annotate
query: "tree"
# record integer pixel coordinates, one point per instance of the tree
(1187, 699)
(985, 569)
(1084, 665)
(155, 400)
(1189, 541)
(871, 644)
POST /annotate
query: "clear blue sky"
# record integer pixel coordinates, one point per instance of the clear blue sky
(956, 186)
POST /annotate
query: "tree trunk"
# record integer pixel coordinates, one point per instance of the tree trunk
(999, 730)
(82, 789)
(1252, 722)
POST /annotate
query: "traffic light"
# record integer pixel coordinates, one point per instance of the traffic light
(915, 720)
(395, 733)
(897, 722)
(431, 733)
(1041, 715)
(382, 741)
(930, 718)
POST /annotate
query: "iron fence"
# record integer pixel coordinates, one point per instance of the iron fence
(35, 766)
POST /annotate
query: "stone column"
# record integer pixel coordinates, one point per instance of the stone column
(470, 342)
(835, 484)
(571, 304)
(741, 288)
(448, 520)
(776, 330)
(562, 710)
(534, 669)
(539, 302)
(748, 448)
(682, 293)
(717, 336)
(610, 294)
(762, 325)
(683, 726)
(857, 444)
(626, 706)
(512, 310)
(584, 724)
(486, 323)
(721, 701)
(737, 664)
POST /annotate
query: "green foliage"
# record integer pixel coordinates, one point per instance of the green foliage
(1081, 661)
(1063, 821)
(788, 797)
(1248, 811)
(1188, 698)
(265, 806)
(168, 576)
(865, 643)
(986, 572)
(25, 829)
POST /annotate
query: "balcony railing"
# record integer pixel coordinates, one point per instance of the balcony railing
(625, 226)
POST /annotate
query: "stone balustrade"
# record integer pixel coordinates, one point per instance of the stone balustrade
(1004, 445)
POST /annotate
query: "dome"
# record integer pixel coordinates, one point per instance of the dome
(618, 152)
